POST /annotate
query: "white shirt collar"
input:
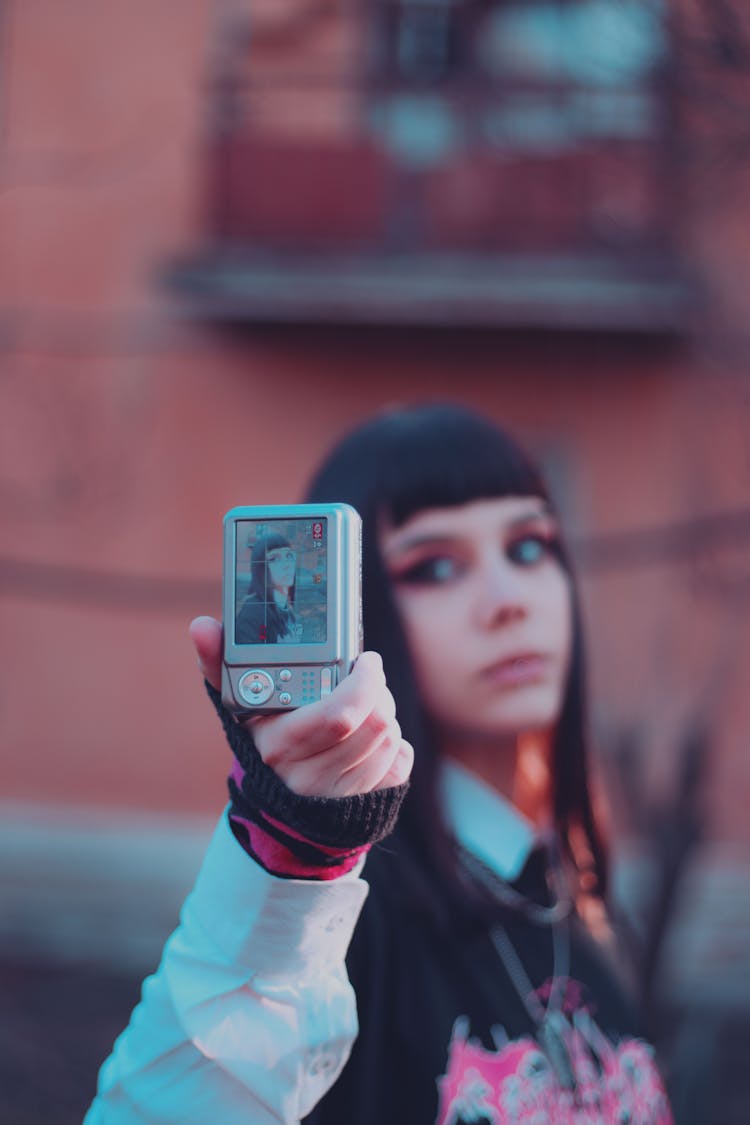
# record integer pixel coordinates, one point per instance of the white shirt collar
(484, 822)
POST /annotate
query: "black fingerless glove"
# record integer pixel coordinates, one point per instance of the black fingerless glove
(293, 835)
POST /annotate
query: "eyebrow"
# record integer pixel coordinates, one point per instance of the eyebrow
(431, 538)
(544, 513)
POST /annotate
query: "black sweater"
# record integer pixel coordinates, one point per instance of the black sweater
(445, 1036)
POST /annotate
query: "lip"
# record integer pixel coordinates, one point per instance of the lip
(521, 668)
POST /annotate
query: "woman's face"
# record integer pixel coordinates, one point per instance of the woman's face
(486, 608)
(282, 563)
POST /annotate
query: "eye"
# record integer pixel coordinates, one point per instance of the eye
(530, 549)
(431, 571)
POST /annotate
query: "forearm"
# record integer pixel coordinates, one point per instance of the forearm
(250, 1016)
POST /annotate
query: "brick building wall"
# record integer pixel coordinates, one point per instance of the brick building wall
(128, 428)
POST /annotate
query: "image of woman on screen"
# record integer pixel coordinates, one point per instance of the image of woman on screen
(267, 615)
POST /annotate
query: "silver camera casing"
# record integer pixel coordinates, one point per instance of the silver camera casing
(260, 678)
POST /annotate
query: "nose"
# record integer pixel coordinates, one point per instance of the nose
(500, 596)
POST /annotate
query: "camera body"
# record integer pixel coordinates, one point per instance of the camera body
(292, 604)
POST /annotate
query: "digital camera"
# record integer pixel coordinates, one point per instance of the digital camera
(292, 604)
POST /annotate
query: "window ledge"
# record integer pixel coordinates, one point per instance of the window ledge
(456, 290)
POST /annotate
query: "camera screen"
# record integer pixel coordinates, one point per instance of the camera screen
(281, 582)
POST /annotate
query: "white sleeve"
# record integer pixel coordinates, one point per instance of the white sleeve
(250, 1016)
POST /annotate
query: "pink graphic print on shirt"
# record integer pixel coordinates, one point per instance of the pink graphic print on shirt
(516, 1085)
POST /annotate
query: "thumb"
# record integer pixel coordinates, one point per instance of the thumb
(206, 634)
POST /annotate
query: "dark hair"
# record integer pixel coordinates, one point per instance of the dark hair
(259, 567)
(441, 455)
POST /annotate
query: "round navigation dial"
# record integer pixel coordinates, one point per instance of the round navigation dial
(255, 687)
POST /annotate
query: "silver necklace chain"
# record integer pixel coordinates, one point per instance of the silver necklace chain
(520, 978)
(560, 908)
(552, 1028)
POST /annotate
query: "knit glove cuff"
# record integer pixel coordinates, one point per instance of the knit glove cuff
(336, 822)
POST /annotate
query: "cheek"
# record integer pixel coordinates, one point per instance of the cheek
(435, 628)
(559, 613)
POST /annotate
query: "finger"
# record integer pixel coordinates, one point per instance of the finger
(389, 761)
(322, 774)
(400, 769)
(206, 634)
(317, 727)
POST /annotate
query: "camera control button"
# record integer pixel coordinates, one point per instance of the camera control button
(285, 697)
(285, 675)
(255, 687)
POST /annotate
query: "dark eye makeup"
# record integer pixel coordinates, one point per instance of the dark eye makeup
(430, 570)
(525, 549)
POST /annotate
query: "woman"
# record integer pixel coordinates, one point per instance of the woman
(478, 993)
(267, 615)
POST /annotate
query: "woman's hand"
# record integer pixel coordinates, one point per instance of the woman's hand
(347, 743)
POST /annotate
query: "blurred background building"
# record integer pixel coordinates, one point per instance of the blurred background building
(230, 230)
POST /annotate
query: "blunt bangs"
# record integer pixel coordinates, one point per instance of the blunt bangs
(265, 543)
(433, 456)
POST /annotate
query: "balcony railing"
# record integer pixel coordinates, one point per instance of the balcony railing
(475, 201)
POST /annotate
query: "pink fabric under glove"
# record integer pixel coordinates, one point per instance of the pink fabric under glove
(281, 850)
(293, 836)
